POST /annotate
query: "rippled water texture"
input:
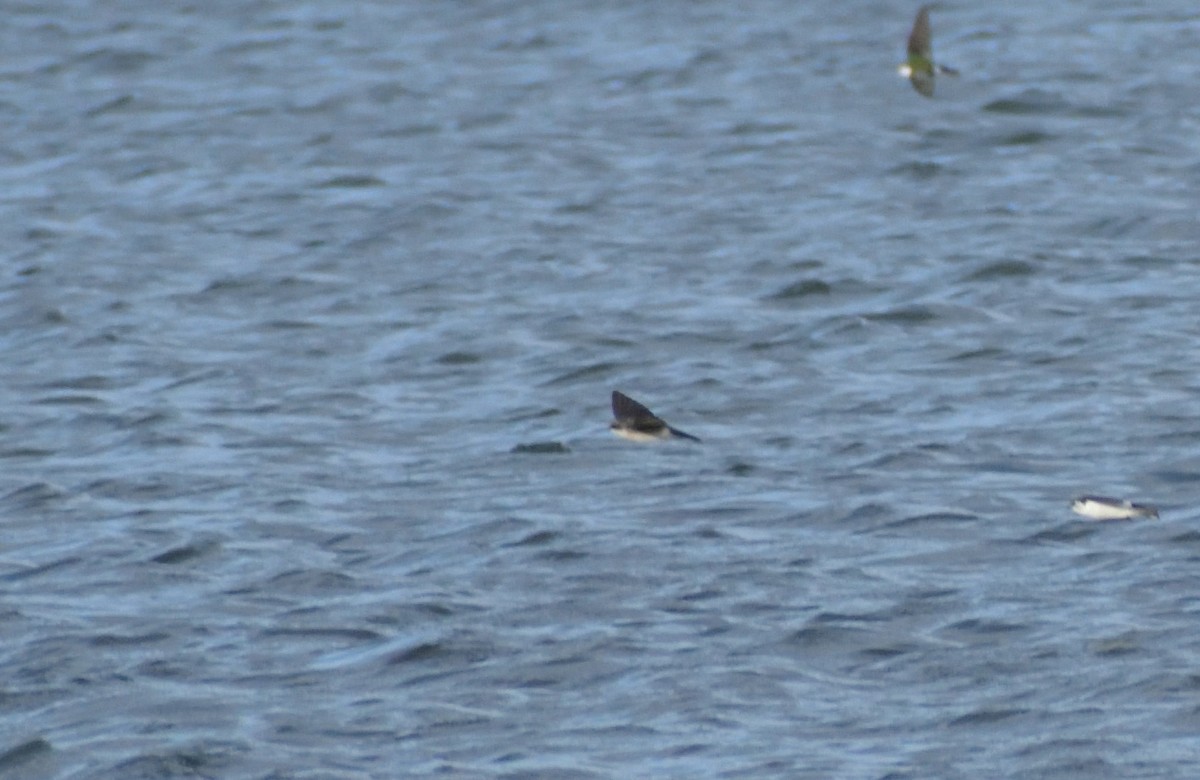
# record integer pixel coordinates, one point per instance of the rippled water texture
(312, 312)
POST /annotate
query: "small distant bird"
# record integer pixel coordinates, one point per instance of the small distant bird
(920, 68)
(1102, 508)
(637, 423)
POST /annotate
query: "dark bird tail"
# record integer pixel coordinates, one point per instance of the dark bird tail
(682, 435)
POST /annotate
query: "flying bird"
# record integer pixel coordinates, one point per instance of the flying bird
(1103, 508)
(637, 423)
(919, 67)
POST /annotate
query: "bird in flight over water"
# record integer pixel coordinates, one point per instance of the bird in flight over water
(637, 423)
(919, 67)
(1103, 508)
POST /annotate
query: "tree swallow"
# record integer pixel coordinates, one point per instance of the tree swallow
(920, 68)
(637, 423)
(1102, 508)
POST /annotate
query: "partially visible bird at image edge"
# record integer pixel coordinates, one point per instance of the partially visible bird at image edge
(919, 68)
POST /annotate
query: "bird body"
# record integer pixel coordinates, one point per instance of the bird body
(637, 423)
(919, 67)
(1104, 508)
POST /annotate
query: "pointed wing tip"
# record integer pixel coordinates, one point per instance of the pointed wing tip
(923, 85)
(919, 38)
(624, 406)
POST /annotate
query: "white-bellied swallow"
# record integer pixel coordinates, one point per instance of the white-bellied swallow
(637, 423)
(919, 67)
(1104, 508)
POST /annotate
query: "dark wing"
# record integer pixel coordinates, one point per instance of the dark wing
(625, 408)
(920, 39)
(1103, 500)
(923, 83)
